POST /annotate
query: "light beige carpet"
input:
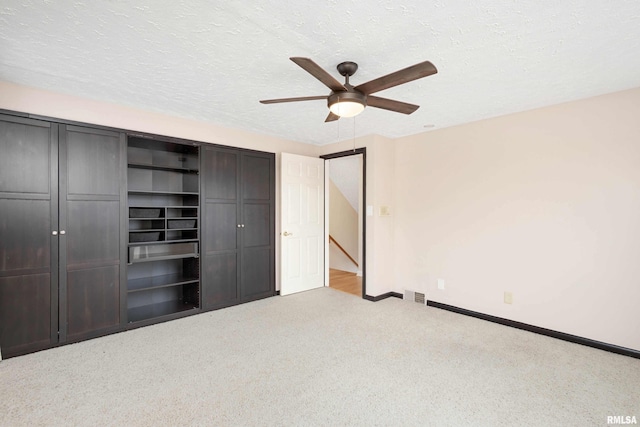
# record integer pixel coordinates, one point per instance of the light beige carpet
(320, 358)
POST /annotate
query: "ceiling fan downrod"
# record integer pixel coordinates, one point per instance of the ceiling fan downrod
(347, 69)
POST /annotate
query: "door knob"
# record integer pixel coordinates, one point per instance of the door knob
(63, 232)
(54, 232)
(286, 233)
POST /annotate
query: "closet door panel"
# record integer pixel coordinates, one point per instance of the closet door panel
(92, 300)
(257, 273)
(91, 210)
(256, 182)
(220, 168)
(25, 158)
(92, 233)
(258, 233)
(93, 166)
(93, 283)
(25, 304)
(221, 271)
(256, 230)
(25, 234)
(28, 247)
(222, 225)
(221, 174)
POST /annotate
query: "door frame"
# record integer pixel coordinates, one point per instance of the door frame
(363, 261)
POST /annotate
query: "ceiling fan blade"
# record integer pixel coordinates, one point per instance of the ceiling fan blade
(391, 105)
(331, 117)
(304, 98)
(319, 73)
(405, 75)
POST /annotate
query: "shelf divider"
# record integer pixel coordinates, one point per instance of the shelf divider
(155, 282)
(145, 312)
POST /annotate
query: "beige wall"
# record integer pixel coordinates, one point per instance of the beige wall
(544, 204)
(343, 221)
(339, 261)
(45, 103)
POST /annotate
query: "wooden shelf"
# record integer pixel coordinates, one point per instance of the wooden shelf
(152, 311)
(156, 282)
(162, 168)
(162, 251)
(163, 273)
(160, 242)
(164, 257)
(161, 207)
(171, 193)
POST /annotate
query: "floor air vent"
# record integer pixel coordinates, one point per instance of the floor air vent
(414, 296)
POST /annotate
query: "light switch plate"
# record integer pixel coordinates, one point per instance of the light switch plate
(508, 298)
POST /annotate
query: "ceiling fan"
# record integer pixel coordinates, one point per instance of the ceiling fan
(346, 100)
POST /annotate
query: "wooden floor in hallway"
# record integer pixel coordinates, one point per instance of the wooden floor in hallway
(345, 281)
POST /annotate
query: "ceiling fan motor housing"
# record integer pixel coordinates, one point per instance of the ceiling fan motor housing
(347, 96)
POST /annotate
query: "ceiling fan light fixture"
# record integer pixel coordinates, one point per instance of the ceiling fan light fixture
(347, 108)
(346, 100)
(347, 104)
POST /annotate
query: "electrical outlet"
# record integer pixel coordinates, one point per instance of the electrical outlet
(441, 284)
(508, 298)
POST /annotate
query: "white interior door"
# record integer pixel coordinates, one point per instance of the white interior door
(302, 224)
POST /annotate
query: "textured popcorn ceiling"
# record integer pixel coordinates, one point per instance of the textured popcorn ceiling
(213, 60)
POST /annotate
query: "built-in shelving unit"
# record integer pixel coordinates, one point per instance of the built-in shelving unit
(163, 275)
(112, 231)
(166, 223)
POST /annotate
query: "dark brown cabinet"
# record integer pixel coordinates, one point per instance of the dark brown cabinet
(61, 204)
(101, 231)
(92, 203)
(28, 250)
(238, 221)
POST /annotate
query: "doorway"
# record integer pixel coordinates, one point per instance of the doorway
(345, 221)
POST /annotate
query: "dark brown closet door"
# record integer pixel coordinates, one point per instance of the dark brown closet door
(258, 226)
(92, 189)
(238, 226)
(221, 226)
(28, 247)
